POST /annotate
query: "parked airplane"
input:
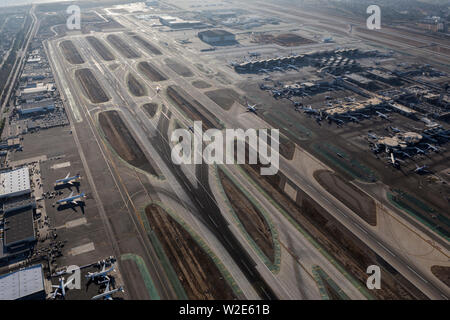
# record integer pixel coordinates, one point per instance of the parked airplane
(278, 69)
(352, 118)
(60, 290)
(68, 179)
(310, 110)
(372, 135)
(291, 66)
(382, 115)
(430, 146)
(396, 130)
(71, 199)
(251, 108)
(419, 151)
(107, 295)
(102, 275)
(422, 169)
(395, 162)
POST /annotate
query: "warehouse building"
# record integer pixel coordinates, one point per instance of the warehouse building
(15, 183)
(38, 107)
(217, 37)
(26, 284)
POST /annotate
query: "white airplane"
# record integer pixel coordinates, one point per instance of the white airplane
(107, 295)
(419, 151)
(68, 179)
(251, 108)
(60, 290)
(382, 115)
(395, 162)
(103, 274)
(430, 146)
(421, 169)
(279, 69)
(71, 199)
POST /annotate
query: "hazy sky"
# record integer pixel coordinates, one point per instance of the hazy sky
(4, 3)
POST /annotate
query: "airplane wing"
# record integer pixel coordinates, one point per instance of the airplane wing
(71, 195)
(71, 279)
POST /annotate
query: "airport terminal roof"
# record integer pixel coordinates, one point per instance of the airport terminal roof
(22, 283)
(15, 182)
(19, 227)
(215, 33)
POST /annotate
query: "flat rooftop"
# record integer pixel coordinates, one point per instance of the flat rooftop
(19, 227)
(15, 182)
(22, 283)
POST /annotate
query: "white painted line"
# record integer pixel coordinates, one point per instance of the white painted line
(82, 249)
(60, 165)
(75, 223)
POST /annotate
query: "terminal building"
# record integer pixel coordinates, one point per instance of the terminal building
(17, 215)
(178, 23)
(15, 183)
(217, 37)
(25, 284)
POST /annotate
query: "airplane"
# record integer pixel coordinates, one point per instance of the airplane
(418, 150)
(382, 115)
(430, 146)
(107, 294)
(372, 135)
(103, 274)
(352, 118)
(60, 290)
(396, 130)
(277, 93)
(362, 115)
(340, 155)
(339, 122)
(291, 66)
(71, 199)
(251, 108)
(310, 110)
(422, 169)
(264, 70)
(279, 69)
(68, 179)
(394, 162)
(403, 153)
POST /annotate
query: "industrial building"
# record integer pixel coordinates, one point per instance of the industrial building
(178, 23)
(25, 284)
(39, 88)
(37, 107)
(217, 37)
(15, 183)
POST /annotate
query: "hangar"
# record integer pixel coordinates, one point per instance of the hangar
(25, 284)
